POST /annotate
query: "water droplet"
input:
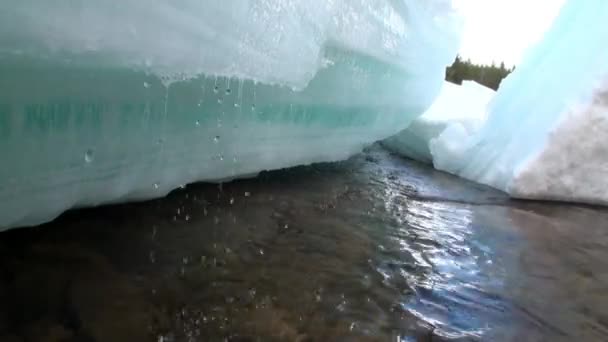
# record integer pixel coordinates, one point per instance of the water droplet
(160, 141)
(252, 292)
(183, 186)
(247, 194)
(185, 260)
(197, 123)
(286, 226)
(216, 139)
(234, 160)
(152, 257)
(261, 251)
(236, 105)
(231, 200)
(253, 108)
(228, 91)
(187, 218)
(220, 100)
(146, 85)
(216, 89)
(88, 156)
(155, 186)
(220, 157)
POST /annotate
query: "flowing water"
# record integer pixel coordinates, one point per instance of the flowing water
(377, 248)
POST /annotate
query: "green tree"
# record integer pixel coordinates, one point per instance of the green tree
(489, 75)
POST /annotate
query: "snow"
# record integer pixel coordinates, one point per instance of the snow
(270, 41)
(121, 100)
(545, 137)
(464, 105)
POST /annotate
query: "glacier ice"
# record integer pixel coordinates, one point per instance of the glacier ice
(464, 105)
(545, 136)
(119, 100)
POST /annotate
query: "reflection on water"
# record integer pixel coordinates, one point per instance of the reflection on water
(373, 249)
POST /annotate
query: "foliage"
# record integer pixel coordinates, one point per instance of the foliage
(488, 75)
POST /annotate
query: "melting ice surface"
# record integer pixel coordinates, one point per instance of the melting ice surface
(545, 137)
(167, 94)
(463, 104)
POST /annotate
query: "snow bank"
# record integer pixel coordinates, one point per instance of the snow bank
(464, 105)
(119, 100)
(545, 137)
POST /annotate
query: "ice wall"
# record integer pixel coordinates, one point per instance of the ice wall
(545, 137)
(270, 41)
(464, 105)
(118, 100)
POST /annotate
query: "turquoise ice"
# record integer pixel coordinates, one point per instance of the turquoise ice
(121, 100)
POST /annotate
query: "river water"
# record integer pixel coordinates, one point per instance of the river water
(376, 248)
